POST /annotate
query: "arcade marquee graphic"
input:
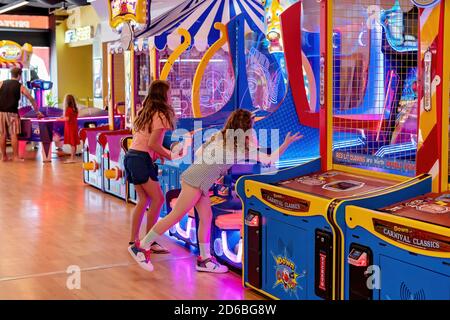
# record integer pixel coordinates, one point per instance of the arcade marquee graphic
(128, 10)
(286, 274)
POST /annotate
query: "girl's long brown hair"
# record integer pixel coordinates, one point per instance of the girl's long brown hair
(69, 102)
(156, 102)
(239, 119)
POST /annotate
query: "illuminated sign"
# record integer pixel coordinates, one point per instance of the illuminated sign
(15, 24)
(127, 11)
(24, 22)
(10, 51)
(79, 34)
(273, 10)
(285, 202)
(412, 237)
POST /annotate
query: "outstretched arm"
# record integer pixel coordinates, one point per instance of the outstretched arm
(27, 94)
(267, 159)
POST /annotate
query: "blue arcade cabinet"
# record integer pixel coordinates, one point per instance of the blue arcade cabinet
(38, 87)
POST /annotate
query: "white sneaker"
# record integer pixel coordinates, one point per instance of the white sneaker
(210, 265)
(141, 256)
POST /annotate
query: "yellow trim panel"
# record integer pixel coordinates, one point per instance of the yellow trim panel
(359, 217)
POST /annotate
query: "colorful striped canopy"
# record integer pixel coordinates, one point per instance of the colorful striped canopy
(198, 17)
(9, 65)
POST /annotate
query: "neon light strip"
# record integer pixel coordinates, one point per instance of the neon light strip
(236, 258)
(192, 60)
(349, 143)
(295, 162)
(396, 148)
(61, 120)
(185, 234)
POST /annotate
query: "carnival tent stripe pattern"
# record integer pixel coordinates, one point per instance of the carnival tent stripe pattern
(9, 65)
(199, 17)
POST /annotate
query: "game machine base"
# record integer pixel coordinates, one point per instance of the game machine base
(93, 156)
(289, 231)
(34, 129)
(114, 180)
(185, 230)
(227, 223)
(399, 252)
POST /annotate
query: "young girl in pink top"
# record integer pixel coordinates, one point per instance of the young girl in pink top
(156, 117)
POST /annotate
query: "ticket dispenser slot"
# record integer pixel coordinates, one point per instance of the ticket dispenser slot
(359, 260)
(323, 264)
(254, 253)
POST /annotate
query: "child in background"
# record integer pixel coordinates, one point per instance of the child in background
(196, 183)
(154, 119)
(71, 126)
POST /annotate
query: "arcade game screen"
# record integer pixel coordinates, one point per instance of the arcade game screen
(375, 83)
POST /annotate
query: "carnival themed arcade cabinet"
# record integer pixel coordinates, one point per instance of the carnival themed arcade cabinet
(275, 85)
(261, 86)
(295, 230)
(102, 157)
(401, 251)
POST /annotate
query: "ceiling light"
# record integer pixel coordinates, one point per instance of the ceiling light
(13, 6)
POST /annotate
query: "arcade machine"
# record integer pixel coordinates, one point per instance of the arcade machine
(54, 126)
(262, 87)
(45, 127)
(294, 230)
(93, 152)
(102, 161)
(143, 74)
(267, 74)
(92, 156)
(281, 86)
(126, 17)
(114, 180)
(129, 68)
(401, 251)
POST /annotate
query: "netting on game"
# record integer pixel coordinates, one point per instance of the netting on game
(265, 57)
(375, 46)
(143, 77)
(216, 87)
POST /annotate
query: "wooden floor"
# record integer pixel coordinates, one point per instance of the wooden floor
(50, 220)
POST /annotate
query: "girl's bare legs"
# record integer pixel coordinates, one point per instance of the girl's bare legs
(73, 152)
(138, 213)
(206, 262)
(204, 211)
(188, 198)
(153, 190)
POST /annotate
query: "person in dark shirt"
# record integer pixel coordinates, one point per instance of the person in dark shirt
(10, 93)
